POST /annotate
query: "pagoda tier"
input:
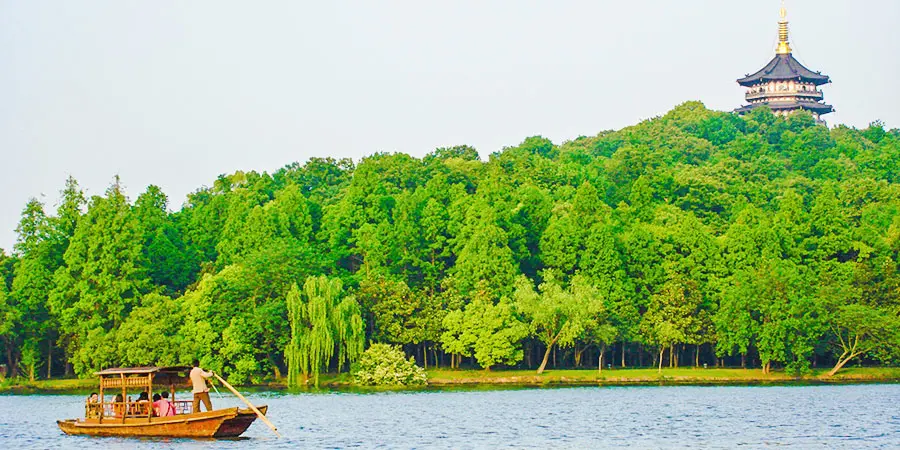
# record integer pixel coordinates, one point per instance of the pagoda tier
(789, 106)
(784, 68)
(785, 85)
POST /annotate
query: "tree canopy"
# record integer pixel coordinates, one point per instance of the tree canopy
(704, 236)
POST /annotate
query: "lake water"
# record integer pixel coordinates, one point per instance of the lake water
(849, 416)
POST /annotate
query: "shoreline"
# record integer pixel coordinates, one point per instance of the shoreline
(504, 379)
(669, 377)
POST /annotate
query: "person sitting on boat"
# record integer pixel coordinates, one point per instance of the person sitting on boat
(162, 407)
(119, 405)
(93, 405)
(156, 400)
(201, 392)
(143, 405)
(171, 409)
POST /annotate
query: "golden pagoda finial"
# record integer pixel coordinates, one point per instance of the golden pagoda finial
(784, 47)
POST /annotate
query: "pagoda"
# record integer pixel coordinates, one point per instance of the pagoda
(785, 85)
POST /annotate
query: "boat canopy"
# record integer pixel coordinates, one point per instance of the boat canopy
(137, 376)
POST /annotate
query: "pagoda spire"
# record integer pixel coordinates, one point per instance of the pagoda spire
(784, 48)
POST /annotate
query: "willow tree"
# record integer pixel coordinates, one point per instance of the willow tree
(326, 327)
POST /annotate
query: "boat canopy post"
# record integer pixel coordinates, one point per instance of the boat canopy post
(124, 398)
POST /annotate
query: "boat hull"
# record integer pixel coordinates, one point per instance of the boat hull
(230, 422)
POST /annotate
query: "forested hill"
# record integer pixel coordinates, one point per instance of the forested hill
(695, 237)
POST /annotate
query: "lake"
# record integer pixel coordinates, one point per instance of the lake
(845, 416)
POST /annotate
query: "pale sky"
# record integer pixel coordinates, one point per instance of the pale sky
(174, 93)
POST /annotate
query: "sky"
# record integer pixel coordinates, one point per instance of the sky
(175, 93)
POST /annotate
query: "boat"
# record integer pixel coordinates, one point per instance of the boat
(129, 418)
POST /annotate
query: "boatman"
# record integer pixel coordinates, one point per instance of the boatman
(201, 392)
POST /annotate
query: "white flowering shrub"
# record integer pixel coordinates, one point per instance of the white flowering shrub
(386, 365)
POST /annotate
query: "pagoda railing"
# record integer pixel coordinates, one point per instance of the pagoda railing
(754, 95)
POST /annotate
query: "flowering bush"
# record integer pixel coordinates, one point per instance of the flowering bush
(386, 365)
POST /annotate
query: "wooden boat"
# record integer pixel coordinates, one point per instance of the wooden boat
(130, 418)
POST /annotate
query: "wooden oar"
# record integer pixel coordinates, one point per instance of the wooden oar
(216, 389)
(258, 414)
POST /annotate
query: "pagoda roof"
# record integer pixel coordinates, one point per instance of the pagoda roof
(784, 67)
(819, 108)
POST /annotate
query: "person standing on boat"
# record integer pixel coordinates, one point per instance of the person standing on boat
(201, 392)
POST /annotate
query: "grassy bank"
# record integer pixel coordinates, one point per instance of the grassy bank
(20, 386)
(524, 378)
(441, 377)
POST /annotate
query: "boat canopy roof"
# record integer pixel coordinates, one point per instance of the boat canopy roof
(141, 376)
(141, 370)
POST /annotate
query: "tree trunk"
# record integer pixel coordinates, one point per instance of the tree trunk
(671, 355)
(640, 352)
(662, 350)
(840, 364)
(555, 351)
(697, 356)
(623, 354)
(49, 358)
(600, 359)
(11, 366)
(743, 360)
(425, 354)
(529, 350)
(578, 355)
(275, 367)
(547, 355)
(843, 359)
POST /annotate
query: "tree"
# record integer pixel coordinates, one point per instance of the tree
(389, 307)
(672, 316)
(326, 327)
(558, 315)
(487, 330)
(147, 337)
(168, 261)
(9, 316)
(32, 281)
(864, 330)
(790, 317)
(484, 255)
(101, 281)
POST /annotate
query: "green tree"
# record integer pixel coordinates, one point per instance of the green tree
(489, 331)
(484, 255)
(101, 281)
(558, 315)
(672, 316)
(326, 326)
(864, 330)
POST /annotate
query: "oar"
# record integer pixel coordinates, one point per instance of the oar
(258, 414)
(217, 390)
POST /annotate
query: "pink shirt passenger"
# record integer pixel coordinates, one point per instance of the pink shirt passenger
(164, 408)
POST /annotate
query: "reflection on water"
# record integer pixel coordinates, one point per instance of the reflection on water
(854, 416)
